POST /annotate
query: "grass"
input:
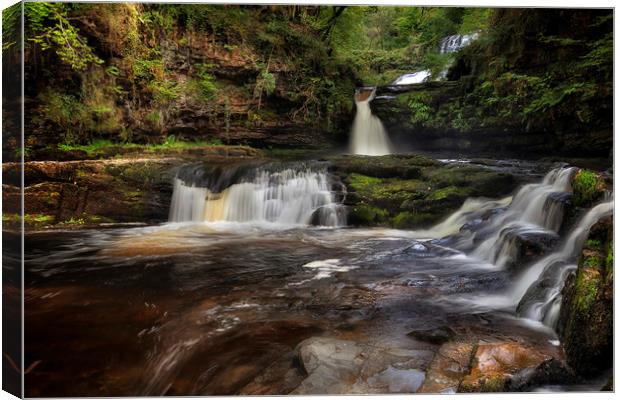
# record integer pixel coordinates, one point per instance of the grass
(171, 143)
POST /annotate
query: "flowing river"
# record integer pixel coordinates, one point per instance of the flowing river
(256, 259)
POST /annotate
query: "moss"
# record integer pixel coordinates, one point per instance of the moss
(586, 288)
(73, 221)
(593, 244)
(591, 261)
(404, 220)
(609, 262)
(493, 384)
(391, 166)
(29, 219)
(444, 193)
(587, 187)
(389, 193)
(360, 182)
(365, 214)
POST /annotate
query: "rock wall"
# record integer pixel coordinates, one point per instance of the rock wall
(586, 317)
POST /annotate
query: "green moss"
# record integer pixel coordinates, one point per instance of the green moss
(593, 244)
(404, 220)
(586, 289)
(591, 261)
(361, 182)
(444, 193)
(73, 221)
(365, 214)
(609, 262)
(587, 186)
(29, 219)
(493, 384)
(410, 220)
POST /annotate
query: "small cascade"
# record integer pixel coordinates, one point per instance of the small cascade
(410, 79)
(454, 43)
(447, 45)
(293, 195)
(368, 136)
(536, 210)
(538, 289)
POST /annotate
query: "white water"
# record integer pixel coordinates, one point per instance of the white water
(410, 79)
(286, 197)
(471, 209)
(531, 211)
(368, 136)
(452, 44)
(563, 261)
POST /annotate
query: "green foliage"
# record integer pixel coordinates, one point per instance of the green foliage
(48, 26)
(418, 105)
(265, 83)
(11, 26)
(67, 112)
(586, 187)
(206, 82)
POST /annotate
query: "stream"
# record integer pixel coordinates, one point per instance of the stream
(257, 259)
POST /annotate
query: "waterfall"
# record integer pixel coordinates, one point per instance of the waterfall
(545, 305)
(453, 43)
(368, 136)
(296, 195)
(410, 79)
(447, 45)
(536, 209)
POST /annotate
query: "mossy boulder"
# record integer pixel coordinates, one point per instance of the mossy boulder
(588, 187)
(586, 316)
(412, 191)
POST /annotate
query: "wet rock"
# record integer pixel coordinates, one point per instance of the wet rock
(552, 371)
(449, 366)
(586, 315)
(494, 365)
(412, 191)
(336, 366)
(437, 335)
(522, 247)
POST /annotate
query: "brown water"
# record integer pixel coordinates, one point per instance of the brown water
(218, 309)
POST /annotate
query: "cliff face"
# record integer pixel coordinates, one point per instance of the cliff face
(254, 75)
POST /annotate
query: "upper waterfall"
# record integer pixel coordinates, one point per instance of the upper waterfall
(368, 136)
(453, 43)
(294, 195)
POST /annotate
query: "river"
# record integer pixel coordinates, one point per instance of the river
(218, 306)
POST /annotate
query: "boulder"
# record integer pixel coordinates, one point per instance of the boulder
(586, 315)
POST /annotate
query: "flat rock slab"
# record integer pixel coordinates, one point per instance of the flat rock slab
(495, 364)
(448, 368)
(336, 366)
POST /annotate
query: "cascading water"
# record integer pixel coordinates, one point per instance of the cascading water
(296, 195)
(368, 136)
(410, 79)
(448, 45)
(543, 304)
(453, 43)
(536, 209)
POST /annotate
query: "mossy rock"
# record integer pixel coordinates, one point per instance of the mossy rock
(586, 315)
(389, 166)
(381, 191)
(588, 186)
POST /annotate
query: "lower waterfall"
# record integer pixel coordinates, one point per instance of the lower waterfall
(296, 195)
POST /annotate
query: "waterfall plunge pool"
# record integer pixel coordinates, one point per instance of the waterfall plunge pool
(218, 307)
